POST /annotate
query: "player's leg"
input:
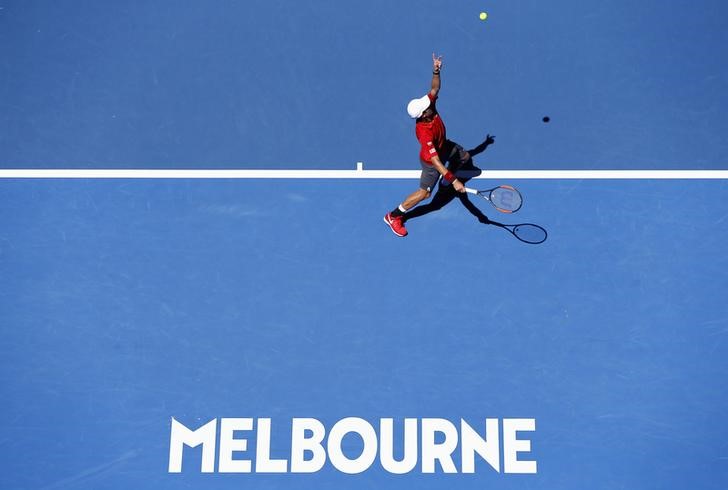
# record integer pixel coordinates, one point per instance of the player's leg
(428, 179)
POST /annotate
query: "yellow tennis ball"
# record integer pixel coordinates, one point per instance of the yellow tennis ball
(483, 16)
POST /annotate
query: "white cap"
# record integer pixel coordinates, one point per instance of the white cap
(416, 107)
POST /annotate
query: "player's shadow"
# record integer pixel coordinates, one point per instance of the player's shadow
(446, 193)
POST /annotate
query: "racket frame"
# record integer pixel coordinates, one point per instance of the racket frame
(512, 229)
(488, 193)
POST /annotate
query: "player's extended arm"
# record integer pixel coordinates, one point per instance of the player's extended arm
(437, 163)
(436, 65)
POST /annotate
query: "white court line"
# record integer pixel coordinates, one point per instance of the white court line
(360, 173)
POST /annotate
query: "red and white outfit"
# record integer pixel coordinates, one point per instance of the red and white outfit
(431, 135)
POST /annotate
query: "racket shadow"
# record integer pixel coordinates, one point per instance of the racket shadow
(525, 232)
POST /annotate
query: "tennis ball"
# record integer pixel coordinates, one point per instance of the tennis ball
(483, 16)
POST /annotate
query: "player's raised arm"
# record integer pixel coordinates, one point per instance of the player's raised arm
(436, 65)
(489, 140)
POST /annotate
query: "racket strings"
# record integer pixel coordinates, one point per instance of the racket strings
(506, 198)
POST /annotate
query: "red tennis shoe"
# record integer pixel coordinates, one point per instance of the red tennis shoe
(395, 223)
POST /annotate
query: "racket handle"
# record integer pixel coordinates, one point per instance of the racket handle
(470, 191)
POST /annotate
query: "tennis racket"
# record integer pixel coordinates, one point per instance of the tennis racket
(526, 232)
(504, 198)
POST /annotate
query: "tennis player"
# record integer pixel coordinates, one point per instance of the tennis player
(435, 150)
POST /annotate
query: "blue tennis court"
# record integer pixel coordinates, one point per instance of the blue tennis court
(128, 304)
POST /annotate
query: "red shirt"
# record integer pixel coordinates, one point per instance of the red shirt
(431, 135)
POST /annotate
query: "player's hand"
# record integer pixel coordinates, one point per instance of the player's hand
(489, 140)
(458, 186)
(436, 62)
